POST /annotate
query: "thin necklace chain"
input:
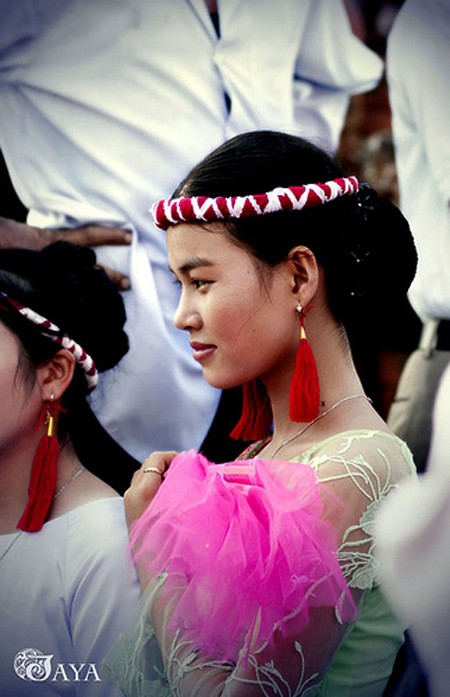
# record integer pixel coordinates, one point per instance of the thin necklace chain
(68, 482)
(320, 416)
(55, 496)
(13, 541)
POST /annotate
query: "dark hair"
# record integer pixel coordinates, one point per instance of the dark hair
(362, 241)
(63, 283)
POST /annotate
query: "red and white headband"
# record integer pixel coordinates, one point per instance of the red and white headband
(54, 333)
(169, 212)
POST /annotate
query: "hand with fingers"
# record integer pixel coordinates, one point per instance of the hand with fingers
(15, 234)
(145, 483)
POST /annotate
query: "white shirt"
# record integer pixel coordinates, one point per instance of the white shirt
(105, 106)
(412, 535)
(413, 528)
(66, 591)
(418, 57)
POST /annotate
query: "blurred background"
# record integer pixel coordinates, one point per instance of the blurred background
(366, 150)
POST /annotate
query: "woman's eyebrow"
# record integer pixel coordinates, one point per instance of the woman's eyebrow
(193, 263)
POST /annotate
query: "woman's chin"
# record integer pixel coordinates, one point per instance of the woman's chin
(220, 383)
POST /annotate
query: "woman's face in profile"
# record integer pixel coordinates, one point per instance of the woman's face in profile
(241, 325)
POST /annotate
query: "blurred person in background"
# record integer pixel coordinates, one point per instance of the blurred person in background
(105, 106)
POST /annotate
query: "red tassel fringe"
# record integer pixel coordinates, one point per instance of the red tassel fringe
(42, 485)
(304, 395)
(256, 418)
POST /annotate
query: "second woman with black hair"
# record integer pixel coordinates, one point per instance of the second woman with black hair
(259, 575)
(66, 590)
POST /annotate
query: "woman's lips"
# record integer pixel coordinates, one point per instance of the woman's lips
(202, 351)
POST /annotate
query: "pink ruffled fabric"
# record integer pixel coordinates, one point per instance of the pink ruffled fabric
(246, 543)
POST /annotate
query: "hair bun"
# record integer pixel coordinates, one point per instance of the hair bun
(378, 256)
(63, 283)
(83, 301)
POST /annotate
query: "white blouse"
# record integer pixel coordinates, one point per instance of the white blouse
(66, 592)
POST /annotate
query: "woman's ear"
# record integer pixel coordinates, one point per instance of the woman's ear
(56, 375)
(304, 273)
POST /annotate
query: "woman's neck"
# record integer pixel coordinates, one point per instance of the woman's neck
(15, 470)
(337, 376)
(16, 464)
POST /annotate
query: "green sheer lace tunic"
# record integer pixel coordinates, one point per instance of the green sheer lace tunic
(329, 659)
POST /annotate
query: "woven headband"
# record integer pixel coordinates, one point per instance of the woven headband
(206, 209)
(54, 333)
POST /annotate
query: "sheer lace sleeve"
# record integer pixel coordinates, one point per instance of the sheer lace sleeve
(361, 468)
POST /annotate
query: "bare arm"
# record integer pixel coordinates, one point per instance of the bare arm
(15, 234)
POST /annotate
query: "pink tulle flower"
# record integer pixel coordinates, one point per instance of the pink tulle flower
(245, 550)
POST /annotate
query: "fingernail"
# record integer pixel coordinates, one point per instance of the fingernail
(125, 283)
(128, 237)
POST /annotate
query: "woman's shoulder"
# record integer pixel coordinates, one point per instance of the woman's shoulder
(371, 450)
(96, 527)
(96, 544)
(103, 515)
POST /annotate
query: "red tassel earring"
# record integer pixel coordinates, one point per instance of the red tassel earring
(304, 396)
(43, 476)
(256, 418)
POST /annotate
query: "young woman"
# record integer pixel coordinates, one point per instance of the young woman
(238, 561)
(66, 590)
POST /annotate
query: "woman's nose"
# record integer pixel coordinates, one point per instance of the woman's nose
(186, 317)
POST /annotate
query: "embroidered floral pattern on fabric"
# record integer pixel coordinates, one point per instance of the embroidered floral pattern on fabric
(368, 467)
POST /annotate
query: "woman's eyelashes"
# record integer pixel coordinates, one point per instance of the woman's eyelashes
(199, 283)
